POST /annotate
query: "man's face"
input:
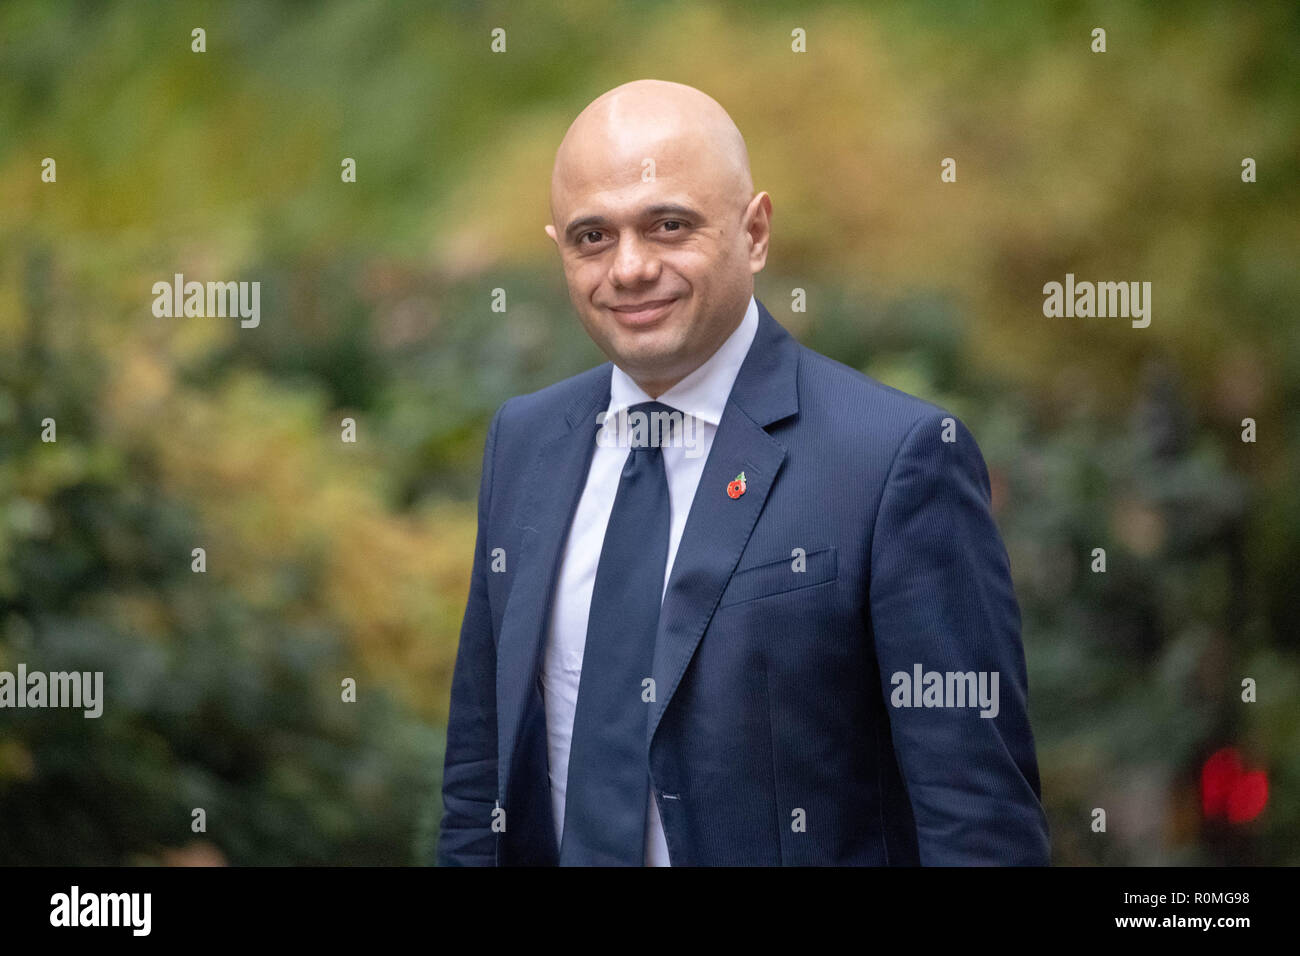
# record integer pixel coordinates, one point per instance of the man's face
(660, 258)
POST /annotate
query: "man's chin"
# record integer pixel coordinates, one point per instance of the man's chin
(648, 335)
(644, 351)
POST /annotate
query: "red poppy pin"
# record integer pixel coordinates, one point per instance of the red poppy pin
(737, 486)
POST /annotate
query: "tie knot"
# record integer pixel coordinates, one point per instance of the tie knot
(651, 407)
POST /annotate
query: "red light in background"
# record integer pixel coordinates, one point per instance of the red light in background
(1231, 791)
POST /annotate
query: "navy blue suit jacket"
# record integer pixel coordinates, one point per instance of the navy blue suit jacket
(774, 737)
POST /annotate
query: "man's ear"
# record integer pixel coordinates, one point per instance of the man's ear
(758, 225)
(550, 231)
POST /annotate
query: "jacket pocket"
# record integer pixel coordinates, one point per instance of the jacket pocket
(779, 576)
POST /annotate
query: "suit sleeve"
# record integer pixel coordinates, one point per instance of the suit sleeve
(942, 597)
(469, 777)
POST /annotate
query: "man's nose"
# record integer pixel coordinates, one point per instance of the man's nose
(635, 263)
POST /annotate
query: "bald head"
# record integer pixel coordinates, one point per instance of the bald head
(660, 232)
(653, 120)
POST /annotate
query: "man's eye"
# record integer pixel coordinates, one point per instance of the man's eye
(594, 232)
(675, 223)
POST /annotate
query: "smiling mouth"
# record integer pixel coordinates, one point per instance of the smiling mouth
(640, 313)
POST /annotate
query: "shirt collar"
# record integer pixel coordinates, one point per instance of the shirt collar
(704, 392)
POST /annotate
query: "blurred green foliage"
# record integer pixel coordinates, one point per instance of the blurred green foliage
(329, 560)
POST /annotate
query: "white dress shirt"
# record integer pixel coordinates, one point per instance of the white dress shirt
(703, 394)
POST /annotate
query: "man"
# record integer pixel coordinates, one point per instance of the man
(791, 639)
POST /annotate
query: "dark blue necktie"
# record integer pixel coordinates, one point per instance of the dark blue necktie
(609, 775)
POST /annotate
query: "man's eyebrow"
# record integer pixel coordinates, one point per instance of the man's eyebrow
(671, 209)
(583, 223)
(660, 209)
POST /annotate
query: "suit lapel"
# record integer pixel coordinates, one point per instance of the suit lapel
(715, 535)
(554, 484)
(718, 527)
